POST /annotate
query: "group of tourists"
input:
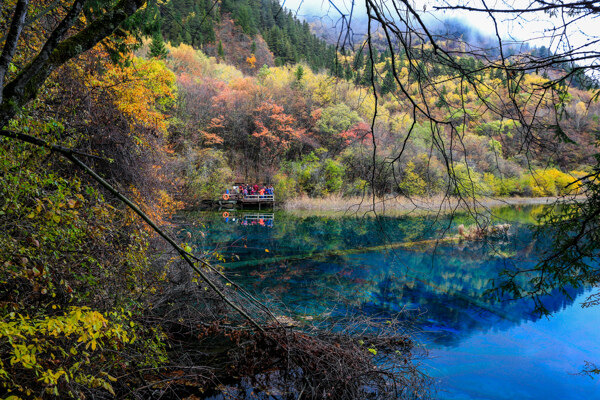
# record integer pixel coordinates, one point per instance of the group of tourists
(250, 220)
(250, 190)
(268, 222)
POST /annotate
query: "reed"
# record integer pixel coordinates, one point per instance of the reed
(367, 204)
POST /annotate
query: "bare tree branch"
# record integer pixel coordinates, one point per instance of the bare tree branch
(12, 38)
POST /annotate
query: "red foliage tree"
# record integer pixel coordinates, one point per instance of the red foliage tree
(274, 132)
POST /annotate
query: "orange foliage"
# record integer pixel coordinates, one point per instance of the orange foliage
(211, 139)
(358, 132)
(185, 60)
(274, 129)
(251, 61)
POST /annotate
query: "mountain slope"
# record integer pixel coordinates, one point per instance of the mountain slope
(203, 24)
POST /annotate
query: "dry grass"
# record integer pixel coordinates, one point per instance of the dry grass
(397, 204)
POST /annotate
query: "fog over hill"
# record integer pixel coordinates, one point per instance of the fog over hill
(345, 23)
(336, 31)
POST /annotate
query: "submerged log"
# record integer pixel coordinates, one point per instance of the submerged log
(478, 233)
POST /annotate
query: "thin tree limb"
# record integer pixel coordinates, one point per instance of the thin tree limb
(31, 20)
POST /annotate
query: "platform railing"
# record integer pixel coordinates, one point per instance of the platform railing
(256, 217)
(260, 197)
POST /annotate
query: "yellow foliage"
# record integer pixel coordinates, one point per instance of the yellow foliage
(581, 108)
(551, 182)
(184, 59)
(142, 91)
(534, 81)
(163, 207)
(280, 78)
(56, 352)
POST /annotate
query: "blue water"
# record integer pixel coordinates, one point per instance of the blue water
(480, 346)
(529, 360)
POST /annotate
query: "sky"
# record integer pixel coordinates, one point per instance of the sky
(533, 28)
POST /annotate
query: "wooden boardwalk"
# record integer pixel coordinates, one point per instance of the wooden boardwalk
(251, 200)
(257, 199)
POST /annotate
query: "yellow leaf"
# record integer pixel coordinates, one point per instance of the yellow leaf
(108, 387)
(267, 250)
(111, 378)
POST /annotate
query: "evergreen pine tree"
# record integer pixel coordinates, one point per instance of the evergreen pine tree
(368, 77)
(157, 46)
(442, 102)
(298, 75)
(358, 60)
(389, 82)
(178, 40)
(220, 51)
(348, 73)
(187, 37)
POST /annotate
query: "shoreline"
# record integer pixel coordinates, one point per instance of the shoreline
(436, 204)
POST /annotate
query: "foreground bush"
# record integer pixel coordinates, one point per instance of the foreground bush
(70, 353)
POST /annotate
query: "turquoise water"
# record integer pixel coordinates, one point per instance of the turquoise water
(480, 346)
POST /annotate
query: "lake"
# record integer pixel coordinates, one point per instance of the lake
(480, 346)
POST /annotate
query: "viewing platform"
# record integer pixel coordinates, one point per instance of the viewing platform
(248, 201)
(259, 218)
(257, 199)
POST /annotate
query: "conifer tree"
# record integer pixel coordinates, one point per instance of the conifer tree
(368, 76)
(348, 73)
(157, 46)
(389, 82)
(220, 51)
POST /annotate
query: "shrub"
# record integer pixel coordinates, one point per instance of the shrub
(467, 182)
(357, 188)
(285, 187)
(549, 182)
(333, 174)
(500, 186)
(65, 354)
(208, 174)
(412, 184)
(318, 175)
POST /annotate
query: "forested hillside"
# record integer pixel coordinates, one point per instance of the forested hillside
(310, 132)
(200, 23)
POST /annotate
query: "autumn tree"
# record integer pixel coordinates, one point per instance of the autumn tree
(70, 37)
(338, 126)
(274, 133)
